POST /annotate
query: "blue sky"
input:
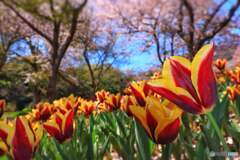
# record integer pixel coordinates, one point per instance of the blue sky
(136, 58)
(142, 61)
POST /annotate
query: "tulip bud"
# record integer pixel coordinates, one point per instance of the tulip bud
(161, 120)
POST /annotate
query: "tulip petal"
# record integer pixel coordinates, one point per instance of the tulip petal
(126, 102)
(67, 125)
(153, 113)
(182, 62)
(170, 110)
(3, 148)
(169, 133)
(38, 131)
(177, 95)
(22, 141)
(203, 76)
(3, 135)
(3, 130)
(53, 129)
(138, 93)
(164, 112)
(140, 114)
(177, 71)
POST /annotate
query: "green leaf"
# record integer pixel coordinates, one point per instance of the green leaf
(220, 111)
(201, 151)
(61, 151)
(104, 148)
(90, 151)
(120, 125)
(4, 158)
(238, 104)
(185, 120)
(185, 137)
(234, 131)
(143, 142)
(212, 140)
(166, 152)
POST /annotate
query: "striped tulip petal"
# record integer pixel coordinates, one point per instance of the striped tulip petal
(169, 133)
(3, 147)
(167, 116)
(203, 76)
(171, 66)
(21, 140)
(60, 126)
(38, 133)
(138, 92)
(140, 114)
(161, 120)
(179, 70)
(67, 127)
(53, 129)
(126, 102)
(4, 129)
(177, 95)
(113, 102)
(87, 108)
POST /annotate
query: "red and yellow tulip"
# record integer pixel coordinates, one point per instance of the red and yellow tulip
(220, 64)
(2, 106)
(234, 75)
(190, 85)
(101, 95)
(4, 129)
(233, 92)
(3, 148)
(43, 111)
(140, 91)
(160, 120)
(113, 102)
(60, 125)
(23, 138)
(66, 104)
(126, 102)
(87, 108)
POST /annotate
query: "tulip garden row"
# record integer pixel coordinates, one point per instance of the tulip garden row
(188, 111)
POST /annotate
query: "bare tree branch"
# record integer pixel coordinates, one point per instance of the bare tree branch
(72, 30)
(34, 28)
(220, 25)
(211, 16)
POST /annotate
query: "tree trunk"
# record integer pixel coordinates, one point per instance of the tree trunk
(191, 52)
(3, 59)
(158, 48)
(90, 71)
(37, 96)
(52, 84)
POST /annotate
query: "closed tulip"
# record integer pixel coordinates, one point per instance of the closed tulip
(161, 120)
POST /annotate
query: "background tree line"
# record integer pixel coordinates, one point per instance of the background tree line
(52, 48)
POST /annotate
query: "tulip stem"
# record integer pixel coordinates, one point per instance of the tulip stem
(216, 128)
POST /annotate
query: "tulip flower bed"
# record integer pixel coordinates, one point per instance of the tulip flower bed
(189, 111)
